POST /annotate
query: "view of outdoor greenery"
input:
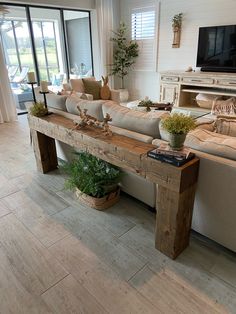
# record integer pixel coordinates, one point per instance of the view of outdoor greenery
(17, 47)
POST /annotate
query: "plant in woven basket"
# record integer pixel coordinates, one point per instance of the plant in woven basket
(38, 109)
(178, 125)
(91, 175)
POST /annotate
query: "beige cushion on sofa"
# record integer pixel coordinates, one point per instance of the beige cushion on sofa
(77, 85)
(131, 134)
(142, 122)
(212, 143)
(94, 107)
(226, 125)
(53, 100)
(93, 88)
(83, 96)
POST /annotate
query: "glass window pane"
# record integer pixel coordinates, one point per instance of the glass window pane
(48, 38)
(78, 42)
(17, 49)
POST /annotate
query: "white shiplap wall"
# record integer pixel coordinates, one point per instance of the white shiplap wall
(196, 13)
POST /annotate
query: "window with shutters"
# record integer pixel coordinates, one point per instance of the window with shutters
(144, 31)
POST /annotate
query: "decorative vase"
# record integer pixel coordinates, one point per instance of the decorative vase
(124, 94)
(100, 203)
(176, 141)
(176, 39)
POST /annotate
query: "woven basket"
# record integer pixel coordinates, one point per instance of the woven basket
(99, 203)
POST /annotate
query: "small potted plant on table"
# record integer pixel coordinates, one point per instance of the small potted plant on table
(95, 181)
(178, 125)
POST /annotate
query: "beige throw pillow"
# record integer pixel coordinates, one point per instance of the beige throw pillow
(93, 88)
(77, 85)
(226, 125)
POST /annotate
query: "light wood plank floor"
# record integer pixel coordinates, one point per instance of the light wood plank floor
(57, 256)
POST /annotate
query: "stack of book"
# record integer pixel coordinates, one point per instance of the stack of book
(166, 154)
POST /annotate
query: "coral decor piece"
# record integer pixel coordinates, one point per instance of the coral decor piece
(87, 120)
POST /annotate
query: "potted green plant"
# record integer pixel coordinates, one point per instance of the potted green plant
(178, 125)
(38, 110)
(95, 181)
(125, 53)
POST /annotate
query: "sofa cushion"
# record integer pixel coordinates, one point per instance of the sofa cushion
(205, 123)
(131, 134)
(83, 96)
(94, 107)
(142, 122)
(212, 143)
(77, 85)
(53, 100)
(226, 125)
(93, 88)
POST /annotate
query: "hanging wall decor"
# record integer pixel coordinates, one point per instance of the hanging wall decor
(176, 25)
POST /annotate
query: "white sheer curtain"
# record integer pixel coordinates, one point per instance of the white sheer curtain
(106, 23)
(7, 101)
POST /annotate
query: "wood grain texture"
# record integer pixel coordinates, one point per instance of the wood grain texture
(110, 220)
(6, 187)
(27, 269)
(3, 209)
(32, 264)
(131, 154)
(105, 285)
(88, 229)
(69, 296)
(173, 295)
(44, 227)
(174, 219)
(45, 151)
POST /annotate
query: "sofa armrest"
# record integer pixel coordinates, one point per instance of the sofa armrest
(115, 95)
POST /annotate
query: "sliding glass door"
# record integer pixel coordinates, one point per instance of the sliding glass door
(52, 42)
(49, 44)
(17, 48)
(78, 40)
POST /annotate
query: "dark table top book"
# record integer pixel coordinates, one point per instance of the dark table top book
(174, 159)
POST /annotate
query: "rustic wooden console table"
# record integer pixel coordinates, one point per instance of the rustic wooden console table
(175, 186)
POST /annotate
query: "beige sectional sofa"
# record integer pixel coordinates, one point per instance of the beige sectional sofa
(215, 204)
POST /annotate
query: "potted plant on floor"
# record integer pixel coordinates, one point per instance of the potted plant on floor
(95, 181)
(178, 125)
(125, 53)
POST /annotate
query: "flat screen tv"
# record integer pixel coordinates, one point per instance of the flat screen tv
(217, 48)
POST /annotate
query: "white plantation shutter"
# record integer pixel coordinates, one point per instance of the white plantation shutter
(144, 31)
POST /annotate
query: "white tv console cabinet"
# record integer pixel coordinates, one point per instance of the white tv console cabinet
(181, 88)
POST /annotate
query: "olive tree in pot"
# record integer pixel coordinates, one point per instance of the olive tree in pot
(178, 125)
(95, 181)
(125, 53)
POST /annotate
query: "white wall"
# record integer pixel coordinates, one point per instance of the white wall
(196, 13)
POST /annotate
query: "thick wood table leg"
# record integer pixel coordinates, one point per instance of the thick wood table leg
(45, 152)
(173, 221)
